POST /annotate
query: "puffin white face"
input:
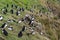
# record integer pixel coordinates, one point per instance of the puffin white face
(32, 30)
(41, 33)
(33, 33)
(18, 11)
(26, 15)
(20, 21)
(5, 25)
(32, 22)
(1, 17)
(9, 28)
(32, 18)
(3, 9)
(10, 20)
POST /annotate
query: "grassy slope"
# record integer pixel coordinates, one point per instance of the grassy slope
(17, 27)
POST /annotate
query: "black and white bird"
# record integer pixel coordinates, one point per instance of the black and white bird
(22, 9)
(5, 32)
(16, 6)
(12, 5)
(18, 13)
(6, 10)
(22, 19)
(31, 10)
(12, 11)
(20, 34)
(23, 29)
(7, 5)
(3, 11)
(19, 9)
(4, 25)
(27, 17)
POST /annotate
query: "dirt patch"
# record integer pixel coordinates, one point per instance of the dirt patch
(1, 38)
(54, 8)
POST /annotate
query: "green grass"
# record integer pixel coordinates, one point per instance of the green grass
(17, 27)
